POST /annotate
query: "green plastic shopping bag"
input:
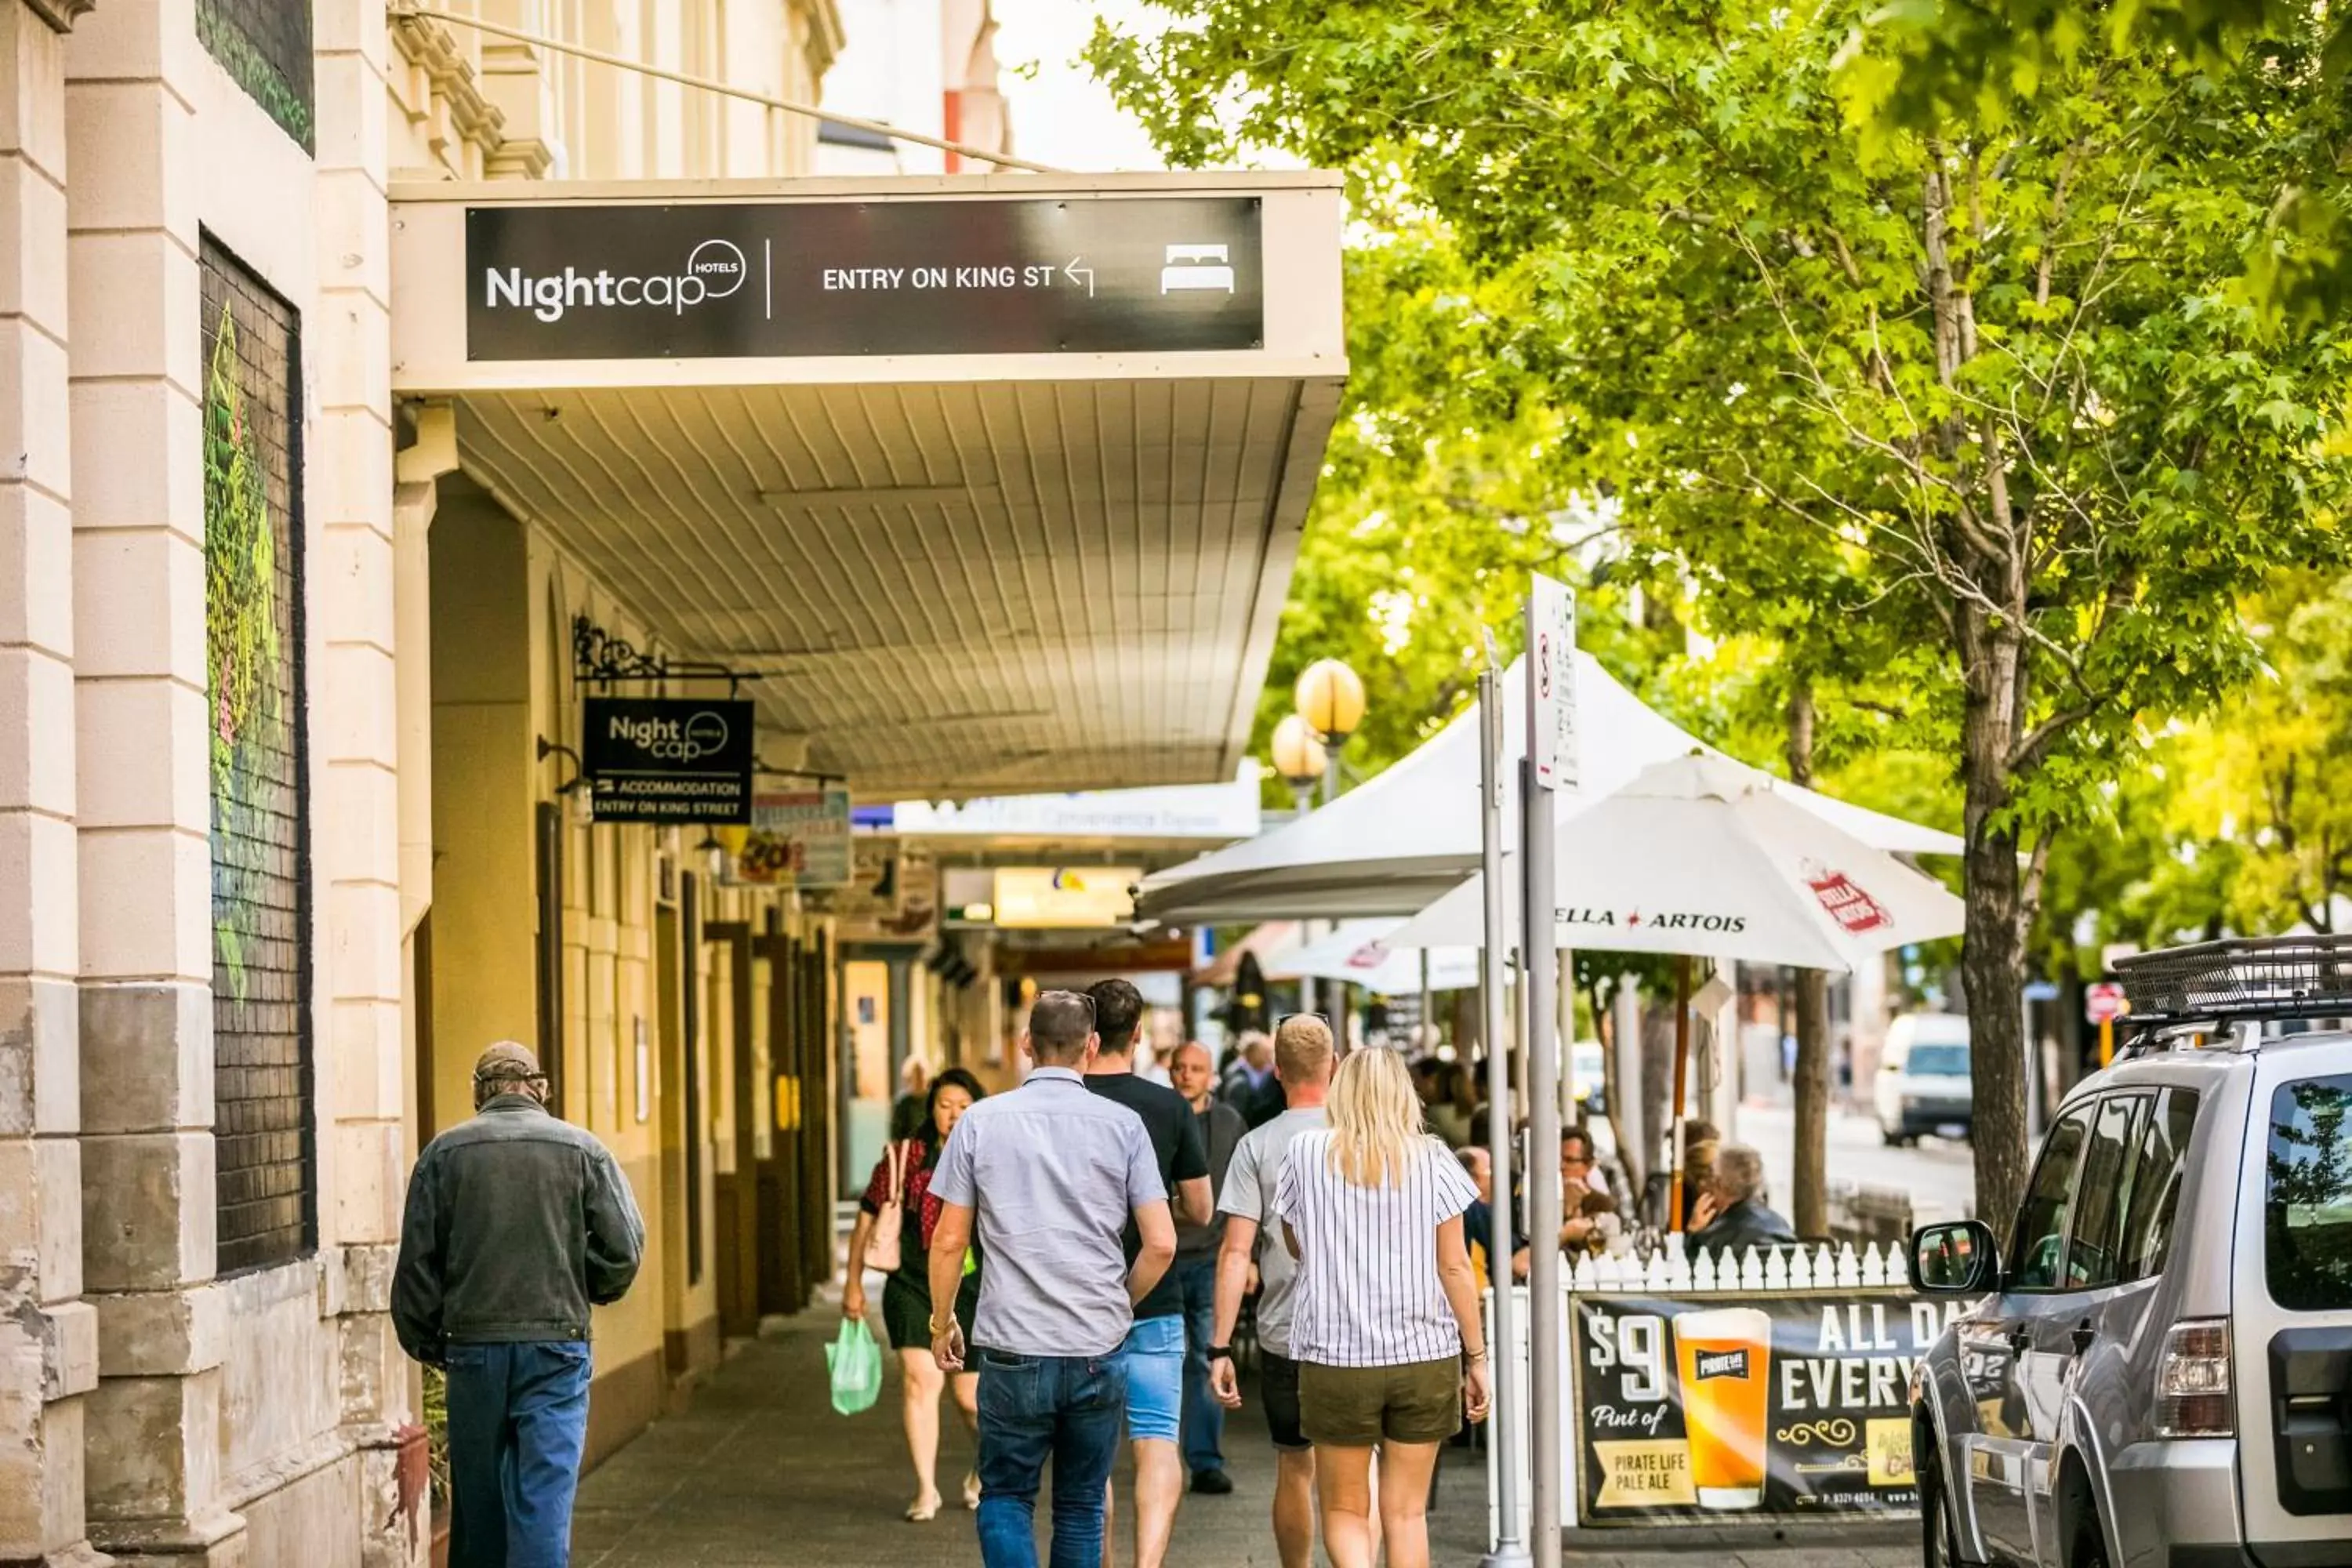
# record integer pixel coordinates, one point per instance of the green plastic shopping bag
(855, 1363)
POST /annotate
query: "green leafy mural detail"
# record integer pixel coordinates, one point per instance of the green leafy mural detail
(241, 633)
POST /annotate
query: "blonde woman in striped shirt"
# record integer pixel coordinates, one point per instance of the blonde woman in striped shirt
(1385, 1322)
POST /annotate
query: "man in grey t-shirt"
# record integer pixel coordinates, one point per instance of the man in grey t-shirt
(1304, 1061)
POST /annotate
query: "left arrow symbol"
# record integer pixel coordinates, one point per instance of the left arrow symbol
(1075, 272)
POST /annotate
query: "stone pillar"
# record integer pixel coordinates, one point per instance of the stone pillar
(153, 1437)
(48, 1338)
(365, 1069)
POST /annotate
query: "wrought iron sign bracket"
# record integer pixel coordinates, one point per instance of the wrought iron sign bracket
(599, 657)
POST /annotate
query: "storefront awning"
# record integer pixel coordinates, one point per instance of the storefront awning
(993, 483)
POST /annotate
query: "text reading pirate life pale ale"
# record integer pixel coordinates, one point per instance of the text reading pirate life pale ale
(1724, 1359)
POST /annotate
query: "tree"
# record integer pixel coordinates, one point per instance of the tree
(1439, 495)
(2007, 380)
(2266, 774)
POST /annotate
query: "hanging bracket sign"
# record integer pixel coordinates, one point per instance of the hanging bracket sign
(668, 760)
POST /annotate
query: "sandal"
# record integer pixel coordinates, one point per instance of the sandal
(972, 1492)
(923, 1512)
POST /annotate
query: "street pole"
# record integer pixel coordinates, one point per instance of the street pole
(1302, 796)
(1538, 925)
(1511, 1547)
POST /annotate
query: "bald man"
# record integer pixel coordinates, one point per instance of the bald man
(1194, 1073)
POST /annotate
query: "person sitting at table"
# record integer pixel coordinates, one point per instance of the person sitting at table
(1730, 1215)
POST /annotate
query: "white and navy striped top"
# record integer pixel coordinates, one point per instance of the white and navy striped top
(1367, 1291)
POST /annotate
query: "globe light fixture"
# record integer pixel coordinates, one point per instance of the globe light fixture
(1298, 756)
(1330, 697)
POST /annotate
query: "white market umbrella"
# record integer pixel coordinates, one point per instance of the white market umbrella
(1358, 953)
(1706, 858)
(1411, 832)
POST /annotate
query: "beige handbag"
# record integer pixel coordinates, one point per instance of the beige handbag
(883, 1252)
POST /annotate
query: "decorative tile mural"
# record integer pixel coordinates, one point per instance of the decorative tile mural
(262, 1073)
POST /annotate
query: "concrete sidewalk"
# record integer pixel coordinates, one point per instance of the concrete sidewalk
(761, 1473)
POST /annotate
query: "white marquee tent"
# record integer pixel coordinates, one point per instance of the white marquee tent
(1410, 834)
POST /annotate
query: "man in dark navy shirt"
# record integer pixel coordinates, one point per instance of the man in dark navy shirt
(1153, 1361)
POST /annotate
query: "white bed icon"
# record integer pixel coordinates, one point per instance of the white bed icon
(1197, 267)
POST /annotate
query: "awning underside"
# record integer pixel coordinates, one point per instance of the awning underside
(947, 588)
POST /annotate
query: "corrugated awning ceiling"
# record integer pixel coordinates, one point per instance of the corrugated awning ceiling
(948, 588)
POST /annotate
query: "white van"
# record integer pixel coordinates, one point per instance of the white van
(1923, 1078)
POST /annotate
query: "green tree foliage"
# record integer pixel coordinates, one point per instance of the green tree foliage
(1990, 405)
(1438, 497)
(1939, 63)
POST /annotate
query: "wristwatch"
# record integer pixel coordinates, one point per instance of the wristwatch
(1474, 1357)
(1220, 1353)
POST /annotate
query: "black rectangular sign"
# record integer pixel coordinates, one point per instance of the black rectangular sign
(663, 759)
(732, 281)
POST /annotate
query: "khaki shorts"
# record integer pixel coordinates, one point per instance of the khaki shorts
(1358, 1406)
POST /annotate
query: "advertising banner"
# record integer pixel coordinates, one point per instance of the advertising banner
(729, 280)
(799, 839)
(1689, 1411)
(669, 759)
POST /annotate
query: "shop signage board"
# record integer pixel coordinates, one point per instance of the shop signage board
(1719, 1407)
(799, 838)
(1065, 897)
(782, 279)
(667, 760)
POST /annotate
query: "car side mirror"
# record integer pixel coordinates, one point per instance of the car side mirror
(1959, 1258)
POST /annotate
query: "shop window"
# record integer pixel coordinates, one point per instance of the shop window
(265, 47)
(256, 721)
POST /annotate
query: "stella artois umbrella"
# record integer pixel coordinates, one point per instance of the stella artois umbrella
(1706, 858)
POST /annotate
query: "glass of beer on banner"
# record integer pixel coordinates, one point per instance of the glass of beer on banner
(1725, 1359)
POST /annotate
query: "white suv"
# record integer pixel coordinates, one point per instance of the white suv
(2159, 1374)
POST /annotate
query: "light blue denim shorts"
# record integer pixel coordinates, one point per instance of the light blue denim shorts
(1152, 1363)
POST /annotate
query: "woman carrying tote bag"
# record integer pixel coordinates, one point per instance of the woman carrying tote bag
(895, 1222)
(1385, 1317)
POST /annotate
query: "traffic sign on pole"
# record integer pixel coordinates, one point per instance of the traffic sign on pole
(1552, 681)
(2102, 1002)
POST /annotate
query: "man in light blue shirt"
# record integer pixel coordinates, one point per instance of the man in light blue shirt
(1052, 1175)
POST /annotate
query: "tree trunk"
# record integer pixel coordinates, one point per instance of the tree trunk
(1809, 1212)
(1992, 952)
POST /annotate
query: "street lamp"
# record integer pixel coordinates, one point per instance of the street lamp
(1299, 758)
(1330, 700)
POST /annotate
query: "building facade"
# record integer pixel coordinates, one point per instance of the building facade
(301, 596)
(220, 987)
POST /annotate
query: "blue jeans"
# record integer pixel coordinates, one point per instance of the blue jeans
(518, 1419)
(1204, 1418)
(1068, 1409)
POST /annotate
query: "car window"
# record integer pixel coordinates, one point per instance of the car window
(1938, 1060)
(2041, 1222)
(2307, 1208)
(2156, 1172)
(2102, 1194)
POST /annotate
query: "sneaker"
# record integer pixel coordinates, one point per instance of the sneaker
(1213, 1483)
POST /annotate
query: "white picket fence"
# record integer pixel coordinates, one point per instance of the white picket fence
(1768, 1270)
(1668, 1272)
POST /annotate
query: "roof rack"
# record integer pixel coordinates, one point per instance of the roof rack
(2285, 977)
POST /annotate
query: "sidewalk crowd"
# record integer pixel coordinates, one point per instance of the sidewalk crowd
(1072, 1262)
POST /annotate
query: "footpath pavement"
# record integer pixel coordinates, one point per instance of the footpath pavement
(761, 1473)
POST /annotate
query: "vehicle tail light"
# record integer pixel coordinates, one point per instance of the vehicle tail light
(2192, 1382)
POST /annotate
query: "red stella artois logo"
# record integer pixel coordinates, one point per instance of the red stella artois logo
(1852, 907)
